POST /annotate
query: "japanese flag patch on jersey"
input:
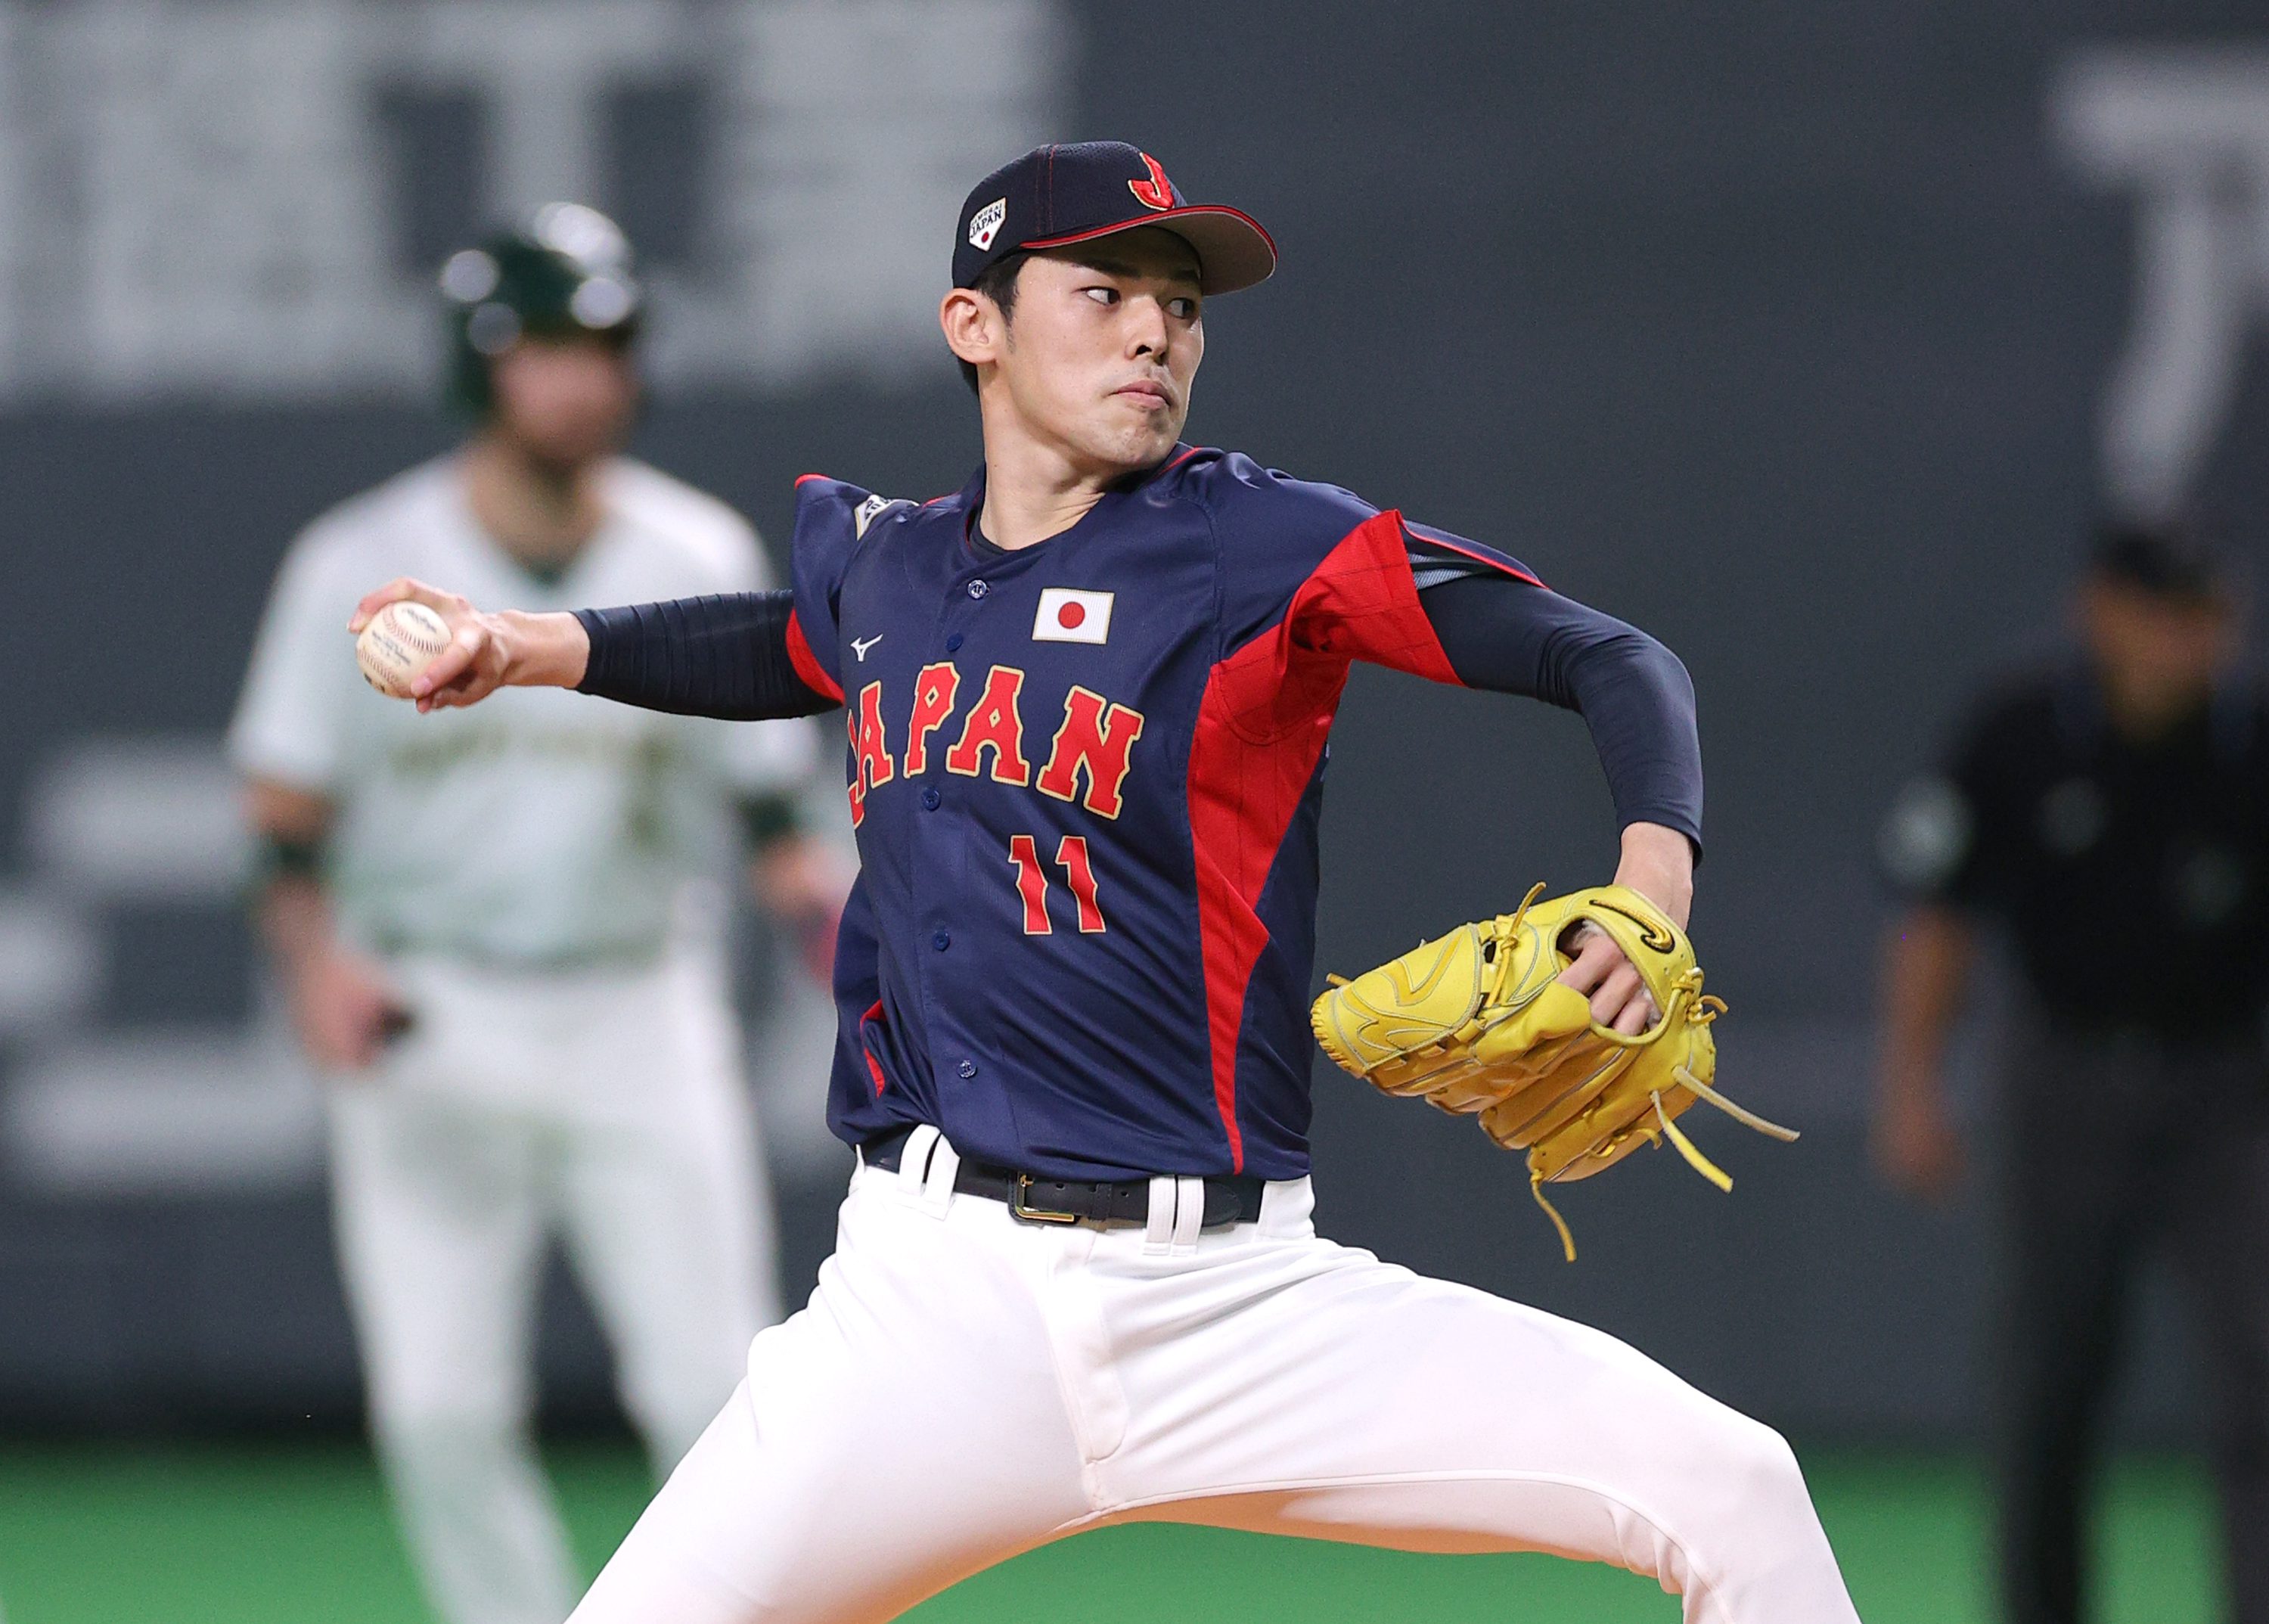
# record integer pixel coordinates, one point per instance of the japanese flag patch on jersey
(1067, 615)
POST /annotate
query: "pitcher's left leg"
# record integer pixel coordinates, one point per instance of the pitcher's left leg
(1292, 1386)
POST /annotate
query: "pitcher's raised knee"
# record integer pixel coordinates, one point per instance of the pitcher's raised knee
(1765, 1469)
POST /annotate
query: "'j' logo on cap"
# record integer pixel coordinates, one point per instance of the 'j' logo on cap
(1158, 192)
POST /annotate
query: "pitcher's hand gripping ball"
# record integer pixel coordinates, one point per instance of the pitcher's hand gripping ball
(1478, 1023)
(401, 641)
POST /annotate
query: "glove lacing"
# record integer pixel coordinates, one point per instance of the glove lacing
(1699, 1009)
(1499, 959)
(1497, 954)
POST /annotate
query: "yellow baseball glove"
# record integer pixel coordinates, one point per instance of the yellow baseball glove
(1478, 1023)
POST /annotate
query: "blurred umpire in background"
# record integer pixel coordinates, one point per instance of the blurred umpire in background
(2112, 813)
(488, 926)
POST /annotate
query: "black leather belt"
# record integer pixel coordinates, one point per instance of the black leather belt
(1042, 1199)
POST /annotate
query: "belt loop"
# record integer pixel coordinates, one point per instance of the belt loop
(1156, 1237)
(1286, 1207)
(937, 1185)
(1189, 1216)
(913, 1163)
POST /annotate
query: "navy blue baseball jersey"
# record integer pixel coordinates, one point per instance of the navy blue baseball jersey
(1086, 778)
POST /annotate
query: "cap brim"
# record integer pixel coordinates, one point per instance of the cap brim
(1233, 251)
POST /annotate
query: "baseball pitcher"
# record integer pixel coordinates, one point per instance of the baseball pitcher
(1077, 1281)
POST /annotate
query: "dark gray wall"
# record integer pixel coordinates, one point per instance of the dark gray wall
(1774, 328)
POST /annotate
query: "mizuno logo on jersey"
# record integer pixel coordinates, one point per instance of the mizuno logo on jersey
(1069, 616)
(860, 645)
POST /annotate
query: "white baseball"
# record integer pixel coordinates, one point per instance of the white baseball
(401, 641)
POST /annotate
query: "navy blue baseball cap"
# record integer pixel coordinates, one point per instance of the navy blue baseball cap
(1056, 196)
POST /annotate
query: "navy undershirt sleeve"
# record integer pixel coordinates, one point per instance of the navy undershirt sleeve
(1511, 636)
(722, 656)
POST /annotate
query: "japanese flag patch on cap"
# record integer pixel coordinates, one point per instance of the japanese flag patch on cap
(1067, 615)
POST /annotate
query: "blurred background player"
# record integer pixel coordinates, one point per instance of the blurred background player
(2111, 811)
(490, 936)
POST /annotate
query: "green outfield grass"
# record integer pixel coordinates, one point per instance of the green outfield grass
(187, 1534)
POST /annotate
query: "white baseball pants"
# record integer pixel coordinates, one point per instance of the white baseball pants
(608, 1108)
(966, 1385)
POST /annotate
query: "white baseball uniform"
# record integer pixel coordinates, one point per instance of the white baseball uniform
(966, 1385)
(531, 874)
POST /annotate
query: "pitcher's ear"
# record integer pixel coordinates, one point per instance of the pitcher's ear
(973, 325)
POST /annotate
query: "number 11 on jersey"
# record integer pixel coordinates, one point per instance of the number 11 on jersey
(1032, 883)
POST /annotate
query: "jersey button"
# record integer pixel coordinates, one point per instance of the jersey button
(929, 800)
(941, 942)
(953, 642)
(977, 589)
(967, 1068)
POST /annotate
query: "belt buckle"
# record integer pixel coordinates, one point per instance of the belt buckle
(1018, 1206)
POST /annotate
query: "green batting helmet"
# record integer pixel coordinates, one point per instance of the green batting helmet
(566, 273)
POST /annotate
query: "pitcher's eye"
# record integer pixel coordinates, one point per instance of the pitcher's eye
(1183, 309)
(1103, 296)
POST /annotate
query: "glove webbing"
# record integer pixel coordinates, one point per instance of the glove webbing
(1686, 1147)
